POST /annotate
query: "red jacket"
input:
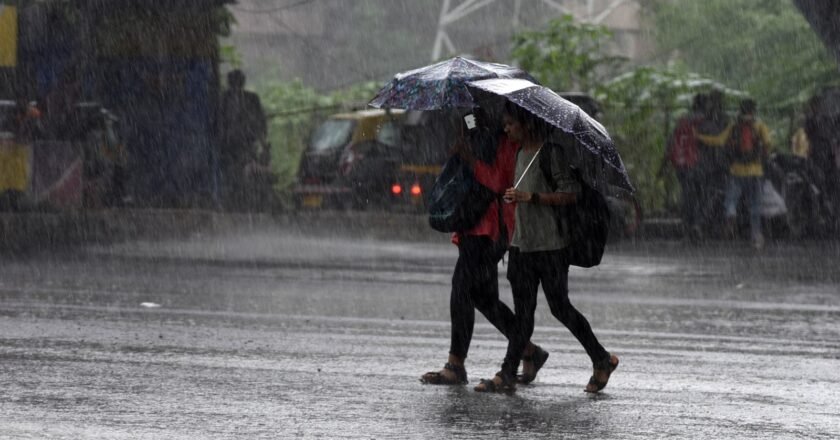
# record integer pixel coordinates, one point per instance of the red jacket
(497, 176)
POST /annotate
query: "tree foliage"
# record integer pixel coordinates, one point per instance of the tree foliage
(566, 55)
(764, 47)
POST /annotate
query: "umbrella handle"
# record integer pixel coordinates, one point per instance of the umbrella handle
(528, 167)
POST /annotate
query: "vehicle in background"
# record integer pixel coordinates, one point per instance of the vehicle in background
(349, 160)
(75, 159)
(425, 140)
(14, 159)
(104, 154)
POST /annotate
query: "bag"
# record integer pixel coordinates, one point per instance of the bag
(772, 203)
(683, 151)
(743, 144)
(457, 201)
(586, 223)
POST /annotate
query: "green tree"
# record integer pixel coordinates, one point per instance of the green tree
(566, 55)
(764, 47)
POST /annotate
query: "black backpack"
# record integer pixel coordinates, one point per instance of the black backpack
(587, 221)
(457, 201)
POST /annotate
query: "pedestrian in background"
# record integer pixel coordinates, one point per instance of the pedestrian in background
(682, 152)
(713, 164)
(242, 126)
(746, 143)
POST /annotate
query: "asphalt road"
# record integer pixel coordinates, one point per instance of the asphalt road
(269, 332)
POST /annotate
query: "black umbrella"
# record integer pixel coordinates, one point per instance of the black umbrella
(440, 85)
(590, 147)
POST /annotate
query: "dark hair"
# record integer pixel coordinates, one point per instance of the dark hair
(533, 125)
(747, 106)
(236, 78)
(698, 104)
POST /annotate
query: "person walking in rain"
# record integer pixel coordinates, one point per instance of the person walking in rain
(242, 126)
(746, 142)
(475, 281)
(712, 165)
(536, 253)
(683, 154)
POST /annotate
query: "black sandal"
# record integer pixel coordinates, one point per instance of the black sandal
(609, 366)
(508, 385)
(538, 358)
(435, 378)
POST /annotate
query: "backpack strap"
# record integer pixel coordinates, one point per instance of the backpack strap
(545, 167)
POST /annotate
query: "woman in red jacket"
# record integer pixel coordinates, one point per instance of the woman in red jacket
(475, 281)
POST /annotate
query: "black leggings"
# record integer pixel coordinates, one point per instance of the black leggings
(526, 271)
(475, 285)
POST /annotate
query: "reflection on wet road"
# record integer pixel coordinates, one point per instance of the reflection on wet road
(275, 335)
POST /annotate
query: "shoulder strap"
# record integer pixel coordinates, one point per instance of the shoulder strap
(545, 167)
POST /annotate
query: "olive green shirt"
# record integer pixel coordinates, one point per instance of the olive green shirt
(536, 228)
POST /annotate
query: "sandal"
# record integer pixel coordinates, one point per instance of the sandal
(538, 357)
(609, 366)
(436, 378)
(508, 385)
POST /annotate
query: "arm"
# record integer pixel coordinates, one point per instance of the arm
(715, 140)
(550, 199)
(566, 186)
(766, 138)
(262, 123)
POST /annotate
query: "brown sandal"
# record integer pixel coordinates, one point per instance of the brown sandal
(538, 357)
(436, 378)
(609, 366)
(508, 385)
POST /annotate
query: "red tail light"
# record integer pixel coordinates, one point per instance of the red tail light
(416, 190)
(396, 189)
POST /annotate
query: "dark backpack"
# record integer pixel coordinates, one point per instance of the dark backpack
(457, 201)
(743, 144)
(587, 222)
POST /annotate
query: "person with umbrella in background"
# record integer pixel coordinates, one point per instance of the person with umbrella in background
(541, 249)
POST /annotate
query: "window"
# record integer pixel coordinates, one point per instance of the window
(332, 134)
(389, 134)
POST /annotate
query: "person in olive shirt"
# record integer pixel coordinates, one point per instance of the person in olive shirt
(536, 253)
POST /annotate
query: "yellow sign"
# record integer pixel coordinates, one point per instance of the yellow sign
(8, 36)
(14, 166)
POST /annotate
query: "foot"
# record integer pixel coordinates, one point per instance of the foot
(758, 242)
(451, 374)
(499, 384)
(531, 365)
(601, 375)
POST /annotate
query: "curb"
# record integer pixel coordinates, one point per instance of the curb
(37, 230)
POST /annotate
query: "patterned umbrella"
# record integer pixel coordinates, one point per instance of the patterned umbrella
(441, 85)
(591, 149)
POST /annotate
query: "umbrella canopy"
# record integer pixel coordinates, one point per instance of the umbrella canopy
(441, 85)
(591, 149)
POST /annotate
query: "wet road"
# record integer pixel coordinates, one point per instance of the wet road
(267, 333)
